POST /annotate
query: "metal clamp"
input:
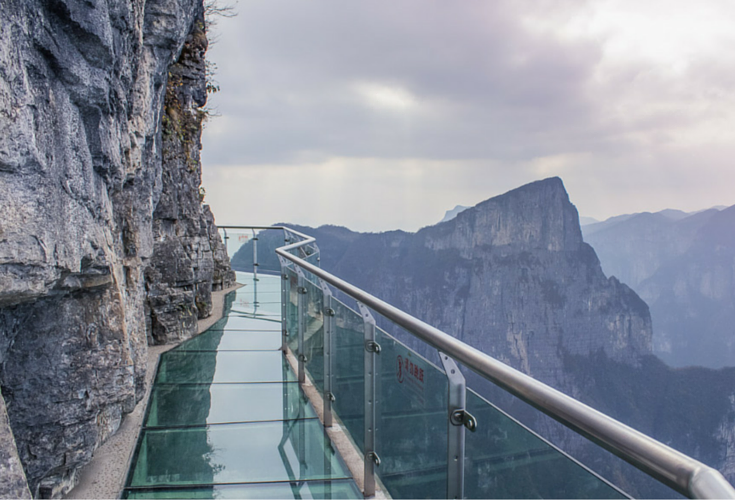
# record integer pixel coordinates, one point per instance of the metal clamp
(329, 311)
(330, 397)
(372, 346)
(374, 457)
(463, 417)
(301, 290)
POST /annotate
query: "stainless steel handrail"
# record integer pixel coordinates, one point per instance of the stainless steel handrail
(678, 471)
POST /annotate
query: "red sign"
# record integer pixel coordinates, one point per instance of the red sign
(408, 367)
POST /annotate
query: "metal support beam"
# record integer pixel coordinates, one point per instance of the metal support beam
(301, 312)
(329, 331)
(371, 377)
(456, 402)
(285, 287)
(255, 256)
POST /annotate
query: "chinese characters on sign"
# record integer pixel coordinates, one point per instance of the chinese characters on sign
(410, 376)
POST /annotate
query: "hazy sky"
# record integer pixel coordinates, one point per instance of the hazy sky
(381, 115)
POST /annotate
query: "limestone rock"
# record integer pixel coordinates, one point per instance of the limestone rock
(83, 169)
(12, 478)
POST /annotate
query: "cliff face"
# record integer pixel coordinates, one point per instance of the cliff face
(83, 170)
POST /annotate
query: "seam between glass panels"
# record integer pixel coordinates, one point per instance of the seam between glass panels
(233, 422)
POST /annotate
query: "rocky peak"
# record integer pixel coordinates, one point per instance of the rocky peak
(537, 216)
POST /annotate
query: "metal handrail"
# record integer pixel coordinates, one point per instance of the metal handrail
(673, 468)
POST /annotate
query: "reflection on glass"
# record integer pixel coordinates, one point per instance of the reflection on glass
(185, 405)
(412, 422)
(237, 322)
(348, 384)
(179, 367)
(314, 335)
(232, 453)
(232, 340)
(506, 460)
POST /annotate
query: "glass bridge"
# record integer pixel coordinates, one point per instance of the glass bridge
(227, 417)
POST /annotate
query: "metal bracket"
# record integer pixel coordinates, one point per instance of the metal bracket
(457, 420)
(372, 346)
(371, 364)
(301, 290)
(302, 357)
(463, 417)
(328, 349)
(365, 313)
(284, 265)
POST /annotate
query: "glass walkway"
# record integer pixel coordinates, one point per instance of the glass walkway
(228, 419)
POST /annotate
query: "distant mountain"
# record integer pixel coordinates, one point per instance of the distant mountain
(586, 221)
(451, 214)
(682, 265)
(513, 277)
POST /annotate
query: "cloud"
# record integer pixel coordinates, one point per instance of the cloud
(615, 96)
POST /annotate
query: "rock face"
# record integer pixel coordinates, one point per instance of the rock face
(180, 276)
(84, 166)
(683, 266)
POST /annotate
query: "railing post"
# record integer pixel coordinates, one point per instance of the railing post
(329, 320)
(285, 287)
(457, 398)
(255, 256)
(371, 377)
(301, 312)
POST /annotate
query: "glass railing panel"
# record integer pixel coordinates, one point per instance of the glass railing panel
(504, 459)
(412, 422)
(288, 490)
(348, 376)
(188, 405)
(292, 450)
(182, 367)
(240, 249)
(314, 334)
(220, 340)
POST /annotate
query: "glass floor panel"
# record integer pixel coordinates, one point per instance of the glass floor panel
(228, 340)
(235, 322)
(266, 283)
(180, 367)
(182, 405)
(264, 307)
(248, 296)
(286, 490)
(292, 450)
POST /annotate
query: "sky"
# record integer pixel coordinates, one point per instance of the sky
(383, 115)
